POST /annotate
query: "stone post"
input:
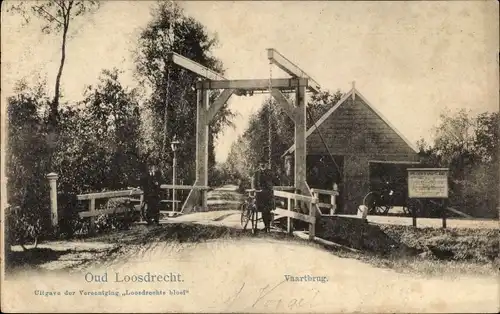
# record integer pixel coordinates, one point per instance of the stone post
(52, 177)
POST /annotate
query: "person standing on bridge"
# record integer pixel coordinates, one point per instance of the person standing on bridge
(150, 183)
(264, 195)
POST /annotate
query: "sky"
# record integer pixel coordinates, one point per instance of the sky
(411, 60)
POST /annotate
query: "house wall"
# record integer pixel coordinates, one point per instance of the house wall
(360, 135)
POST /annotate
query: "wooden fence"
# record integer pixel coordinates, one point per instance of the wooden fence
(92, 213)
(135, 196)
(295, 201)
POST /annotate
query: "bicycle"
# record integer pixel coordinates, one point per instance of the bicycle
(250, 213)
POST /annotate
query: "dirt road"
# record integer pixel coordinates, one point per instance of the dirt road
(230, 273)
(244, 275)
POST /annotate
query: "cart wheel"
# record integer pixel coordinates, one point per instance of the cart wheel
(370, 201)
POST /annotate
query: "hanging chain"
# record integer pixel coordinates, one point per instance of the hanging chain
(165, 115)
(170, 38)
(270, 78)
(270, 113)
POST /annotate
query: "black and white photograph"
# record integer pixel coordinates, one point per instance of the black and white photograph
(250, 156)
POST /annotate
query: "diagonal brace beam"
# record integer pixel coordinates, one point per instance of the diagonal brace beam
(194, 67)
(218, 103)
(198, 69)
(284, 103)
(290, 68)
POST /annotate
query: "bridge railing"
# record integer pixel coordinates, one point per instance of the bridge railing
(293, 201)
(296, 204)
(92, 213)
(331, 194)
(176, 194)
(135, 196)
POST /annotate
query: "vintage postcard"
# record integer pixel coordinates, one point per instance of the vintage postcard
(250, 156)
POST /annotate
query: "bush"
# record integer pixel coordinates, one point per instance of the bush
(118, 220)
(21, 228)
(70, 223)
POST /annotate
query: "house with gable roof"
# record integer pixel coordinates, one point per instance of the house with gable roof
(365, 148)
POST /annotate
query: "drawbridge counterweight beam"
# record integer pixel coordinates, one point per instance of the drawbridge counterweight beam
(194, 67)
(290, 68)
(198, 69)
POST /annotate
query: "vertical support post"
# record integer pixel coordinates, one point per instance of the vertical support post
(332, 203)
(202, 102)
(316, 196)
(92, 218)
(300, 140)
(444, 205)
(289, 226)
(52, 177)
(414, 213)
(203, 179)
(312, 226)
(333, 200)
(174, 165)
(141, 204)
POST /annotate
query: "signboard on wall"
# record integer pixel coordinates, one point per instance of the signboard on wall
(428, 183)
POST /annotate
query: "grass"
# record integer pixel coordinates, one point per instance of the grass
(477, 245)
(424, 251)
(425, 267)
(405, 249)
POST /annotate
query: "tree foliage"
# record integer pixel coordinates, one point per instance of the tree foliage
(98, 148)
(100, 141)
(172, 102)
(468, 146)
(26, 165)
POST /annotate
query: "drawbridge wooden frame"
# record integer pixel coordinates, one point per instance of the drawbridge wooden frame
(299, 82)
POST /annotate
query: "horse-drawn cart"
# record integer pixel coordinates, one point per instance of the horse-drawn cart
(388, 188)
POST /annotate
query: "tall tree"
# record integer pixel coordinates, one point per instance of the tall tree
(468, 146)
(487, 136)
(99, 138)
(172, 103)
(319, 104)
(56, 17)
